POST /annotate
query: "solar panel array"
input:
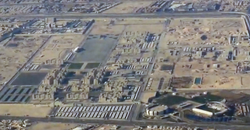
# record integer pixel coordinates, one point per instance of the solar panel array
(117, 112)
(17, 94)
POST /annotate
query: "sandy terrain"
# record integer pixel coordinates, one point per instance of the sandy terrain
(220, 82)
(52, 126)
(102, 26)
(57, 46)
(24, 110)
(128, 7)
(189, 31)
(105, 29)
(15, 54)
(142, 28)
(140, 21)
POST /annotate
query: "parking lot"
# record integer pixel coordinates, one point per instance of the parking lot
(111, 112)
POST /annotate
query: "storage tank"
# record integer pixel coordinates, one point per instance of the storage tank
(76, 49)
(147, 112)
(151, 113)
(155, 113)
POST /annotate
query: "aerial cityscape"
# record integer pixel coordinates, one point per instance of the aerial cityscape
(124, 65)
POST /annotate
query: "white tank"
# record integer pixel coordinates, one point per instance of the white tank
(151, 113)
(155, 113)
(76, 49)
(147, 112)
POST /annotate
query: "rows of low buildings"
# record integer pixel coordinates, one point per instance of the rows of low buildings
(112, 112)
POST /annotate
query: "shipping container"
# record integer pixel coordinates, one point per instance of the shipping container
(113, 115)
(75, 115)
(66, 109)
(73, 110)
(88, 115)
(112, 108)
(127, 108)
(84, 109)
(70, 109)
(123, 108)
(91, 114)
(103, 115)
(120, 108)
(77, 109)
(98, 108)
(109, 108)
(120, 115)
(80, 115)
(91, 109)
(127, 113)
(124, 115)
(60, 109)
(67, 114)
(84, 115)
(70, 115)
(95, 107)
(102, 108)
(81, 108)
(117, 115)
(106, 108)
(88, 109)
(95, 115)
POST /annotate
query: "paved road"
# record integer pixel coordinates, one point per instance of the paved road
(70, 3)
(129, 123)
(151, 15)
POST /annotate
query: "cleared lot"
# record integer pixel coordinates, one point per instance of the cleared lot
(24, 110)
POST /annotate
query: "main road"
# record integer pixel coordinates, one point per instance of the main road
(133, 15)
(130, 123)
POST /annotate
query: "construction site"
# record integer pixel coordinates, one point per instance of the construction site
(204, 53)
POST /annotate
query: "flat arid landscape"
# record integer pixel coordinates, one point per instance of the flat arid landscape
(124, 65)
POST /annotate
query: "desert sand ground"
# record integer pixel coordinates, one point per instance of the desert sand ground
(56, 48)
(52, 126)
(128, 7)
(24, 110)
(12, 58)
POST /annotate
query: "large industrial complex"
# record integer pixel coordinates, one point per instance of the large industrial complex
(141, 65)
